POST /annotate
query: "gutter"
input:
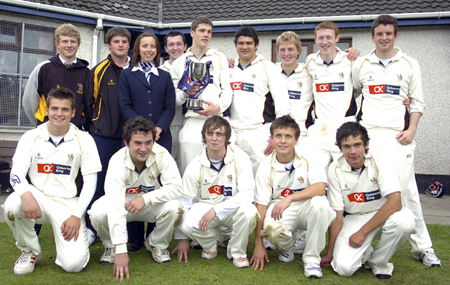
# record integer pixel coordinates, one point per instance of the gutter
(160, 25)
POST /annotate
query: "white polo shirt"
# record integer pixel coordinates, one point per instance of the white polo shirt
(158, 182)
(53, 169)
(332, 86)
(274, 182)
(259, 94)
(299, 85)
(385, 88)
(361, 193)
(228, 189)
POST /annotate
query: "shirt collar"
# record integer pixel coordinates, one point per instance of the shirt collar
(65, 62)
(154, 69)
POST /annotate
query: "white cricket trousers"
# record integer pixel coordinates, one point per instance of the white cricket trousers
(242, 222)
(175, 131)
(166, 215)
(254, 143)
(394, 232)
(71, 255)
(314, 215)
(402, 157)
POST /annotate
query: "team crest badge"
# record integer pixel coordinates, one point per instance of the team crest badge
(301, 180)
(230, 177)
(70, 157)
(253, 76)
(341, 74)
(152, 178)
(300, 84)
(80, 88)
(374, 181)
(399, 77)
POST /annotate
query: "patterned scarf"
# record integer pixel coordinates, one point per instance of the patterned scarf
(147, 68)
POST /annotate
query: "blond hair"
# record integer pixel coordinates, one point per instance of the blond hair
(67, 30)
(289, 37)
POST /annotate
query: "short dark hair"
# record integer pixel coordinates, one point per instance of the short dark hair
(200, 20)
(285, 122)
(384, 20)
(246, 31)
(174, 33)
(214, 123)
(351, 129)
(138, 125)
(117, 31)
(61, 93)
(136, 54)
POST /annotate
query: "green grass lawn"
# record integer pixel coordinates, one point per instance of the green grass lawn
(217, 271)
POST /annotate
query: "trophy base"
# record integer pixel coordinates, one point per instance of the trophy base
(195, 104)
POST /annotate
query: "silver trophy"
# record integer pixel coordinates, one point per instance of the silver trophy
(197, 71)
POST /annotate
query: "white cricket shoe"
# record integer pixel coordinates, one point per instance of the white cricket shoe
(268, 245)
(241, 262)
(428, 258)
(159, 255)
(299, 245)
(286, 256)
(108, 256)
(209, 254)
(312, 270)
(25, 263)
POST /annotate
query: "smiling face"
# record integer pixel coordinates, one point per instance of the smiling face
(175, 47)
(384, 38)
(326, 40)
(354, 150)
(68, 47)
(119, 46)
(246, 49)
(147, 49)
(201, 36)
(288, 54)
(59, 113)
(284, 142)
(140, 147)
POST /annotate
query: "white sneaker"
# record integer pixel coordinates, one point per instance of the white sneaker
(312, 270)
(108, 256)
(428, 258)
(268, 245)
(92, 237)
(209, 254)
(25, 263)
(241, 262)
(159, 255)
(299, 246)
(285, 256)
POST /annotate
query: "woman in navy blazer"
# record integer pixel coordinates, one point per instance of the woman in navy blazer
(147, 91)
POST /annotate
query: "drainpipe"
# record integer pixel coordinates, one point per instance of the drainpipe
(95, 45)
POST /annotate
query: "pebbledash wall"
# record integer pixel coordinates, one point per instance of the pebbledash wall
(428, 44)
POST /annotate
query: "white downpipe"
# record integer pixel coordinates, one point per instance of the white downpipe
(97, 30)
(38, 6)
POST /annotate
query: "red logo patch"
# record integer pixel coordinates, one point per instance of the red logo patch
(216, 189)
(46, 168)
(132, 190)
(286, 192)
(377, 89)
(356, 197)
(323, 87)
(236, 85)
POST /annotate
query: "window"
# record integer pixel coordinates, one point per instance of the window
(22, 47)
(308, 47)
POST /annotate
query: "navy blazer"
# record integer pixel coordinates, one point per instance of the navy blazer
(154, 101)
